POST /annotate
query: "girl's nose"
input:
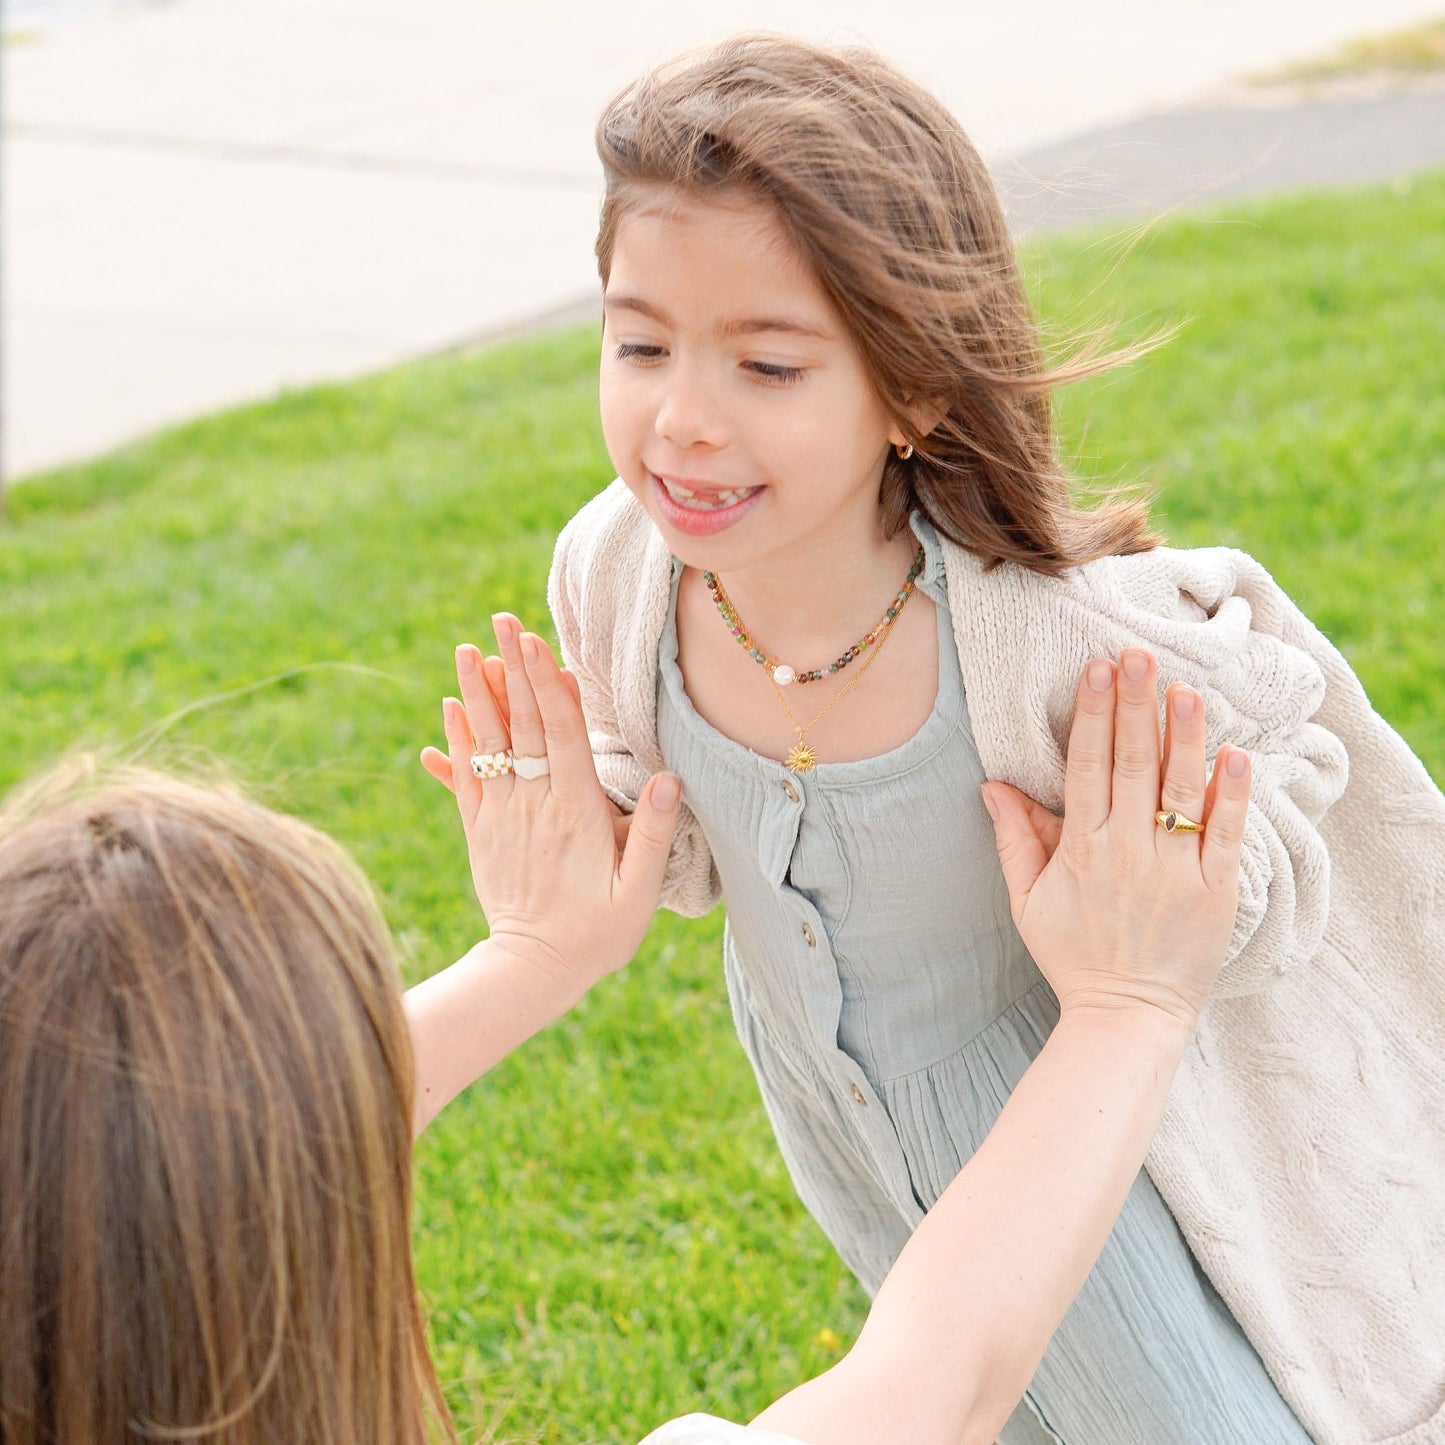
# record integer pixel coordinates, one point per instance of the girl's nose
(689, 414)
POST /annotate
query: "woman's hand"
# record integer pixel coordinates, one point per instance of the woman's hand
(1115, 910)
(494, 673)
(553, 879)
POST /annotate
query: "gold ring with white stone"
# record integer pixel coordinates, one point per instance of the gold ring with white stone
(492, 765)
(530, 768)
(1174, 822)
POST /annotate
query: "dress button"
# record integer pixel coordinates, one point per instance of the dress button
(790, 788)
(858, 1095)
(810, 935)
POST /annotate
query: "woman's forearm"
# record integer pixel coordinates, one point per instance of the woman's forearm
(965, 1314)
(472, 1015)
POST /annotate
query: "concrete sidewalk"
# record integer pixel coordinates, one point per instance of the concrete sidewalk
(210, 201)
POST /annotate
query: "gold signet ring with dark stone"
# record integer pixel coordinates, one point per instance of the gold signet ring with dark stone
(1172, 822)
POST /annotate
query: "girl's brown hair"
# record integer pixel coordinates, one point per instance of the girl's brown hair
(205, 1131)
(885, 197)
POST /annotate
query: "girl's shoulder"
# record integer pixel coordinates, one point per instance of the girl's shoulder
(609, 560)
(1177, 581)
(612, 526)
(608, 592)
(1213, 616)
(1170, 584)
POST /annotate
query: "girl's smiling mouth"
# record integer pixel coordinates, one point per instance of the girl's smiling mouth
(699, 508)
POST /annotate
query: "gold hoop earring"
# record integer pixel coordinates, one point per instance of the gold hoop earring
(904, 452)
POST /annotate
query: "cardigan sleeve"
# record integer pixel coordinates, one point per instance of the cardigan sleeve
(1217, 621)
(585, 592)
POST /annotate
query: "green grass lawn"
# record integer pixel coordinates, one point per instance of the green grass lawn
(605, 1233)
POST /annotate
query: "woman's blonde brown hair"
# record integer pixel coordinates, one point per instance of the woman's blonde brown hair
(886, 199)
(205, 1130)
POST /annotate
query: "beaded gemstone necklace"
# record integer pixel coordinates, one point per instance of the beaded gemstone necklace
(803, 757)
(780, 672)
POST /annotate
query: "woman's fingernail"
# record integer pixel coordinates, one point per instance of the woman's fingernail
(666, 791)
(1236, 763)
(1100, 675)
(988, 801)
(1186, 702)
(466, 660)
(1136, 665)
(531, 649)
(502, 626)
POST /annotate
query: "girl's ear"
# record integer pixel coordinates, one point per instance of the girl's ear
(923, 414)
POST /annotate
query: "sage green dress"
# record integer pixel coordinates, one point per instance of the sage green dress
(888, 1007)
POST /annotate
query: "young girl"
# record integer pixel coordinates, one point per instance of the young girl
(208, 1091)
(839, 582)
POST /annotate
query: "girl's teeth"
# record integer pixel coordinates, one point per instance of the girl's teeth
(708, 502)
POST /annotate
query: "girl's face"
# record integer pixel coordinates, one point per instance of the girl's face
(734, 404)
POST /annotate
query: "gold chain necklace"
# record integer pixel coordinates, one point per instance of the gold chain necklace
(803, 757)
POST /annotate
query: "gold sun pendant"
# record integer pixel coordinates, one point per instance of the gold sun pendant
(802, 759)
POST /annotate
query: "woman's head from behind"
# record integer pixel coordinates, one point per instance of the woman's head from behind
(880, 195)
(205, 1114)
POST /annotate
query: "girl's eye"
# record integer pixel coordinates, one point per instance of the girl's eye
(776, 375)
(631, 351)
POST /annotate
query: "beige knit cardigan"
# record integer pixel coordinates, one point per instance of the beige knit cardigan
(1303, 1148)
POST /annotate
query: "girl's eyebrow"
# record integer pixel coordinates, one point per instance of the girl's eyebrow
(743, 326)
(634, 303)
(751, 325)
